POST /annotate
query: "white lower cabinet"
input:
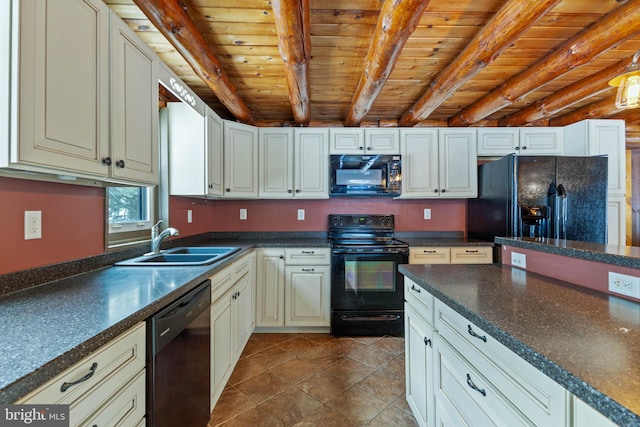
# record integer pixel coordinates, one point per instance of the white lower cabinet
(585, 416)
(105, 388)
(293, 287)
(451, 255)
(472, 379)
(231, 320)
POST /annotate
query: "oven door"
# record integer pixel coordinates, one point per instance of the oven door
(367, 280)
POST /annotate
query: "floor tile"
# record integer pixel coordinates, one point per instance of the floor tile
(262, 387)
(323, 386)
(310, 380)
(357, 405)
(290, 406)
(294, 370)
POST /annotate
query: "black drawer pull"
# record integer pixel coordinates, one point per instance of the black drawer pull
(309, 252)
(473, 334)
(429, 252)
(308, 269)
(471, 251)
(475, 387)
(92, 370)
(413, 288)
(427, 341)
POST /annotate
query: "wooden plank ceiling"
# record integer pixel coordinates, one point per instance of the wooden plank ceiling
(397, 62)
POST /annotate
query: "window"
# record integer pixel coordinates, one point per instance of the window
(131, 211)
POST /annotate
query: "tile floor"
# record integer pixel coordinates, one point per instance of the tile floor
(307, 380)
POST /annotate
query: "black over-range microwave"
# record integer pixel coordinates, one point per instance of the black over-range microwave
(365, 175)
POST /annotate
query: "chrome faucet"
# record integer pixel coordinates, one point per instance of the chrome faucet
(156, 238)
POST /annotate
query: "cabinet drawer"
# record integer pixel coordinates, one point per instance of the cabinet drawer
(419, 299)
(223, 280)
(112, 366)
(429, 255)
(472, 255)
(307, 256)
(459, 385)
(125, 409)
(540, 398)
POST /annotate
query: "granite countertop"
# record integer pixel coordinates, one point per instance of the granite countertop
(46, 328)
(623, 256)
(587, 341)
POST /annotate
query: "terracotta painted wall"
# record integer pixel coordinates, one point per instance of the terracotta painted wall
(72, 218)
(281, 215)
(72, 223)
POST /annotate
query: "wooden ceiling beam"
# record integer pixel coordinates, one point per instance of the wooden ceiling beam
(499, 33)
(552, 104)
(171, 18)
(294, 43)
(620, 24)
(599, 109)
(397, 21)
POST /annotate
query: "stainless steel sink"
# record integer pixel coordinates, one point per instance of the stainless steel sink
(198, 255)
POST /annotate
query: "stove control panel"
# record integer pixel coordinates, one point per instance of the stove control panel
(364, 221)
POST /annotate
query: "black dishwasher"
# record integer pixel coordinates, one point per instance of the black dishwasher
(178, 361)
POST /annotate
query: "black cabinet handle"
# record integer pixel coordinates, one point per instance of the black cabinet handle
(524, 148)
(360, 148)
(297, 190)
(429, 252)
(308, 252)
(475, 387)
(120, 164)
(281, 257)
(289, 191)
(474, 334)
(308, 269)
(517, 148)
(106, 161)
(228, 190)
(427, 341)
(435, 191)
(92, 370)
(471, 251)
(413, 288)
(443, 190)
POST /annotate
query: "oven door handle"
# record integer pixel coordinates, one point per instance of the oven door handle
(377, 318)
(338, 251)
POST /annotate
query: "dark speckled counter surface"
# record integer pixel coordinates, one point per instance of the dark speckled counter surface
(587, 341)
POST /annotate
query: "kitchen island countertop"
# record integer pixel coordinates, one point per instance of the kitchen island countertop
(587, 341)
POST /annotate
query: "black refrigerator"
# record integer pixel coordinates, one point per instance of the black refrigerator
(558, 197)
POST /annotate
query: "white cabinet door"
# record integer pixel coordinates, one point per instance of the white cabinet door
(608, 137)
(134, 106)
(458, 163)
(241, 316)
(311, 165)
(585, 416)
(419, 153)
(215, 154)
(617, 220)
(221, 349)
(240, 160)
(498, 141)
(418, 366)
(63, 89)
(541, 141)
(270, 288)
(187, 151)
(276, 162)
(346, 141)
(381, 141)
(307, 295)
(5, 80)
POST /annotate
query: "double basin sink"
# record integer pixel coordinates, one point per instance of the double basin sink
(198, 255)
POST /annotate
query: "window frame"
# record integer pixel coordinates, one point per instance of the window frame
(121, 234)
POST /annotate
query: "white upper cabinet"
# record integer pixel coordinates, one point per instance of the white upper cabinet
(276, 162)
(439, 163)
(364, 141)
(187, 151)
(595, 137)
(83, 93)
(214, 132)
(521, 141)
(61, 63)
(311, 165)
(134, 110)
(293, 163)
(240, 160)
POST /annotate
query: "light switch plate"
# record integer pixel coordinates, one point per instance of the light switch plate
(518, 260)
(243, 214)
(189, 216)
(427, 214)
(300, 214)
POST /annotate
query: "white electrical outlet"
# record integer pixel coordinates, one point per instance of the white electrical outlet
(518, 260)
(32, 225)
(243, 214)
(300, 214)
(189, 216)
(427, 214)
(624, 284)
